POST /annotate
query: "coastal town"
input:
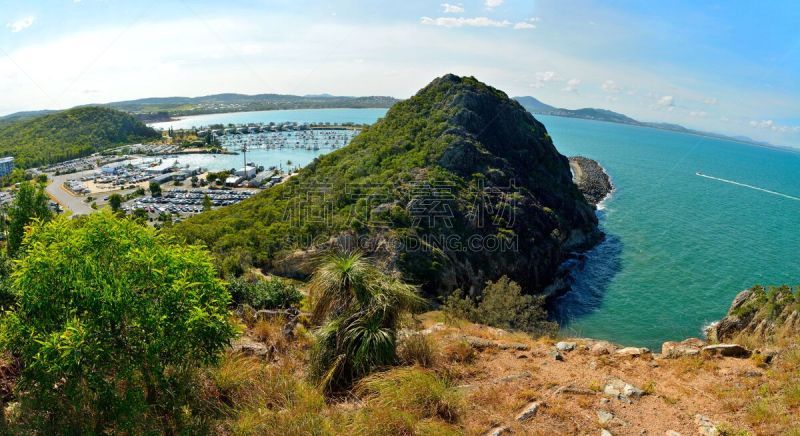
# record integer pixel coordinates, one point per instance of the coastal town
(170, 180)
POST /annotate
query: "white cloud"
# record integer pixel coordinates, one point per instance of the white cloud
(773, 126)
(542, 77)
(491, 4)
(530, 23)
(462, 22)
(447, 8)
(572, 85)
(698, 114)
(666, 102)
(765, 124)
(21, 24)
(610, 86)
(711, 101)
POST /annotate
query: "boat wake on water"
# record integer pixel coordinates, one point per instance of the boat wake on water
(790, 197)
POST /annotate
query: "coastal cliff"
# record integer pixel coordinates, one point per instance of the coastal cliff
(760, 315)
(456, 186)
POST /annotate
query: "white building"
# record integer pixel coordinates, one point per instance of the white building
(246, 172)
(6, 166)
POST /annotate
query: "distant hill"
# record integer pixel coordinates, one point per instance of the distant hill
(427, 166)
(181, 106)
(155, 109)
(535, 106)
(68, 134)
(19, 116)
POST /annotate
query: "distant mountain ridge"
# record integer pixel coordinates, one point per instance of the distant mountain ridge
(164, 108)
(536, 106)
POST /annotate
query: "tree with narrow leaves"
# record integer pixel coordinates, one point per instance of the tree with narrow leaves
(357, 308)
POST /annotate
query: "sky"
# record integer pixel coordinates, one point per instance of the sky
(729, 66)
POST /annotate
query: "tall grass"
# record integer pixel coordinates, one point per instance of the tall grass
(417, 349)
(414, 390)
(256, 398)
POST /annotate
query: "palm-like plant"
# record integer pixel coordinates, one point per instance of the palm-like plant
(357, 307)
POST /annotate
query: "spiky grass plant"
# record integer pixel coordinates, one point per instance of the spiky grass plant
(357, 308)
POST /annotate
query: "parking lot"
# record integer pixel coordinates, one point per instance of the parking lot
(186, 202)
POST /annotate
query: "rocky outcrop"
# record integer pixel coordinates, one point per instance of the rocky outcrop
(591, 179)
(759, 313)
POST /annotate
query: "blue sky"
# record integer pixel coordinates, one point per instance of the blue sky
(725, 66)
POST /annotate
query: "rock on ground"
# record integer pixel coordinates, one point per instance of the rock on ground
(688, 347)
(618, 388)
(727, 350)
(529, 411)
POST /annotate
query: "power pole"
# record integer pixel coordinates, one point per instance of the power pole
(244, 152)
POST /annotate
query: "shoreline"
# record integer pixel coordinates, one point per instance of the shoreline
(592, 180)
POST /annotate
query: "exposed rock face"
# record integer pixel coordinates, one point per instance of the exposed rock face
(591, 179)
(759, 313)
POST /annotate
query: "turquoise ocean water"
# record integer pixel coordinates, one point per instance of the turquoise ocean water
(679, 246)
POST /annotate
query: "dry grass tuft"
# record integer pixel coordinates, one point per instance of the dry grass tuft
(459, 352)
(414, 390)
(270, 331)
(418, 349)
(264, 399)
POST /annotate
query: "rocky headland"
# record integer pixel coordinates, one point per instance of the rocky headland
(456, 186)
(591, 179)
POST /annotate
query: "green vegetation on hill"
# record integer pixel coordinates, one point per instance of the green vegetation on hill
(164, 107)
(459, 162)
(70, 134)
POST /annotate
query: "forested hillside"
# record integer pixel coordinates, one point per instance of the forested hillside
(69, 134)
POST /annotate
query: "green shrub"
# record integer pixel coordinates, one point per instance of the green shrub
(502, 304)
(264, 294)
(112, 323)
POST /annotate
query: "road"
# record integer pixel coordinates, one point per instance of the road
(57, 191)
